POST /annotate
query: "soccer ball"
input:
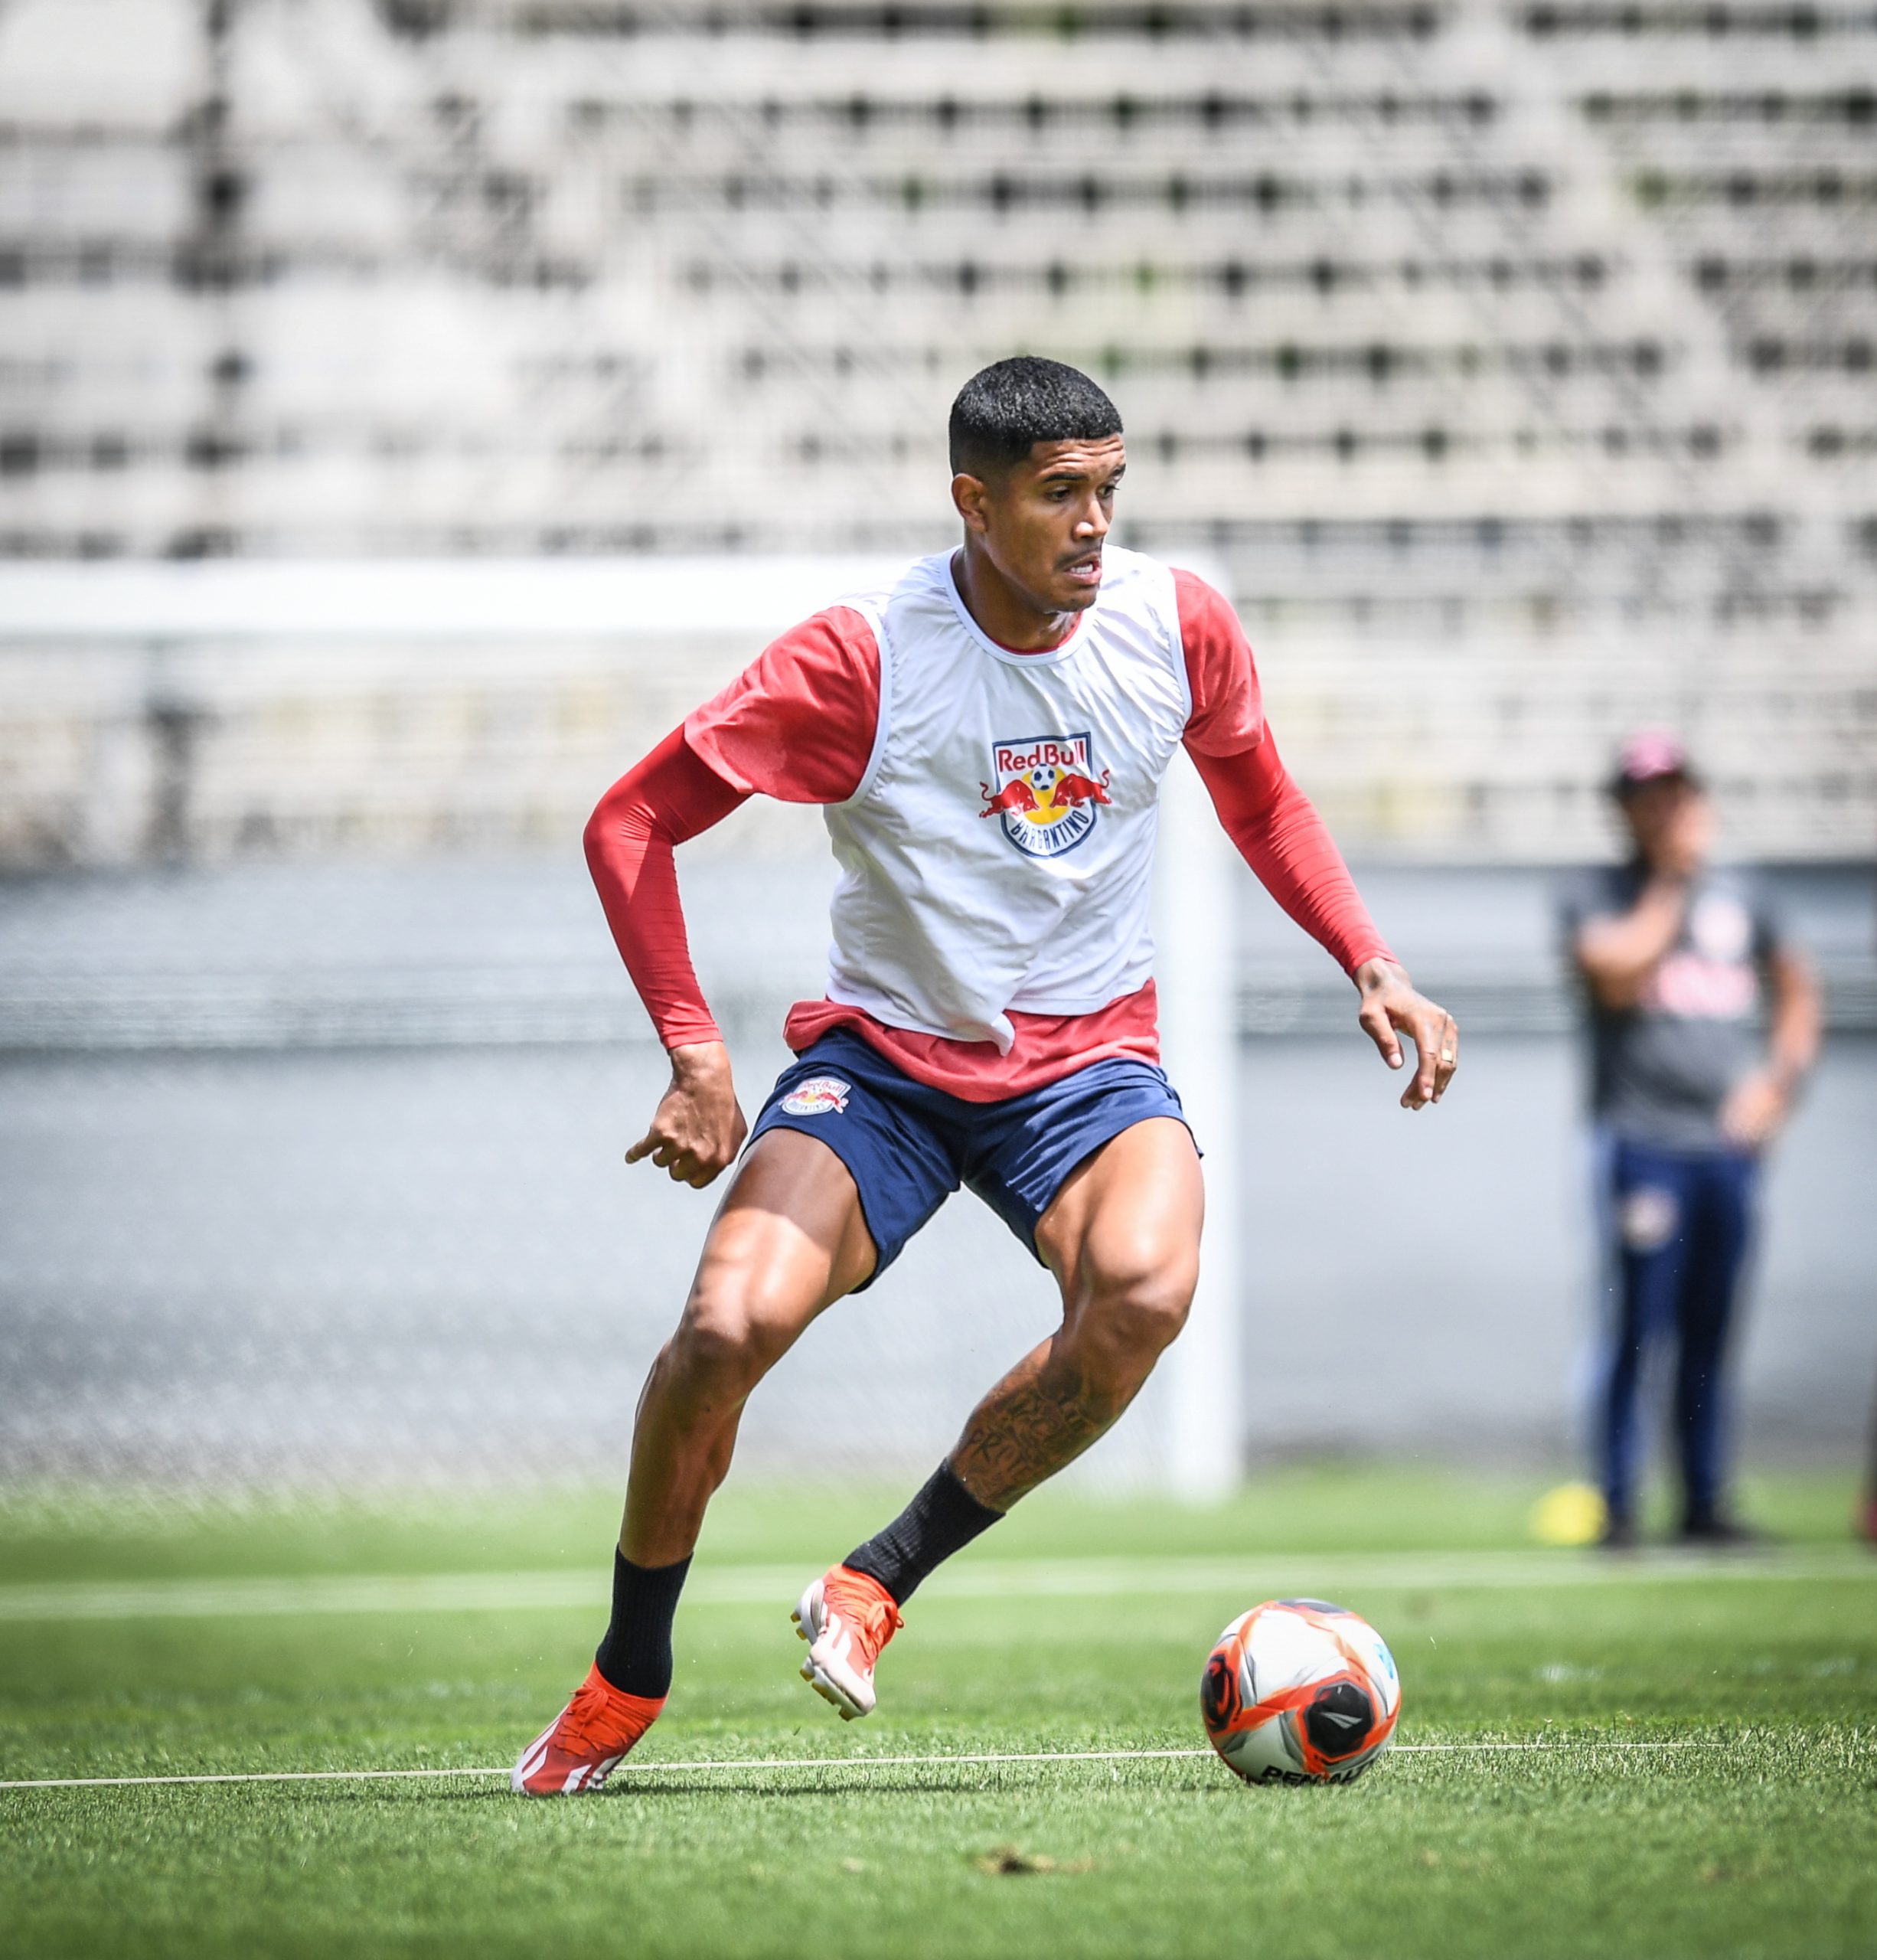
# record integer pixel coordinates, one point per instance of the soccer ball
(1299, 1691)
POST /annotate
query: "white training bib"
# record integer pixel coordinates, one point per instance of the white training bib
(999, 852)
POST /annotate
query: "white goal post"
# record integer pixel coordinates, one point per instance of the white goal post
(1199, 1400)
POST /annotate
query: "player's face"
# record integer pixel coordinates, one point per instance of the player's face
(1673, 823)
(1045, 521)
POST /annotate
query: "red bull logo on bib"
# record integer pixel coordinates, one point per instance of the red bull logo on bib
(1045, 794)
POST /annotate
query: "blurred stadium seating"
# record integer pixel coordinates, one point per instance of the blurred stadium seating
(1514, 360)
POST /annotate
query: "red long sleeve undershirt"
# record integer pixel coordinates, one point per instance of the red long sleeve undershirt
(673, 795)
(658, 804)
(1279, 833)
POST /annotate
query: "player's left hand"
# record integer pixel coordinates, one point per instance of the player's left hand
(1391, 1008)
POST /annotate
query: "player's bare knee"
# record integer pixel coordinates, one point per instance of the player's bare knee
(1151, 1315)
(1130, 1318)
(724, 1342)
(1143, 1282)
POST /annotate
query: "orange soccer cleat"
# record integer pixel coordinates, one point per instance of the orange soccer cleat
(586, 1742)
(845, 1617)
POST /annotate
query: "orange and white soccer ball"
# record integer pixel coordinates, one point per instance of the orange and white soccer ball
(1299, 1691)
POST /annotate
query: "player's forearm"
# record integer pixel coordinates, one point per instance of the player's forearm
(1279, 833)
(1797, 1020)
(636, 880)
(1616, 956)
(669, 796)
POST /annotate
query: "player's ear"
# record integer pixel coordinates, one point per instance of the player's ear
(971, 499)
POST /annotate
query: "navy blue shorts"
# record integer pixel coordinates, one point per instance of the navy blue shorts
(910, 1147)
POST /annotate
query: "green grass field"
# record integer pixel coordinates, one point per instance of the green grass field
(151, 1639)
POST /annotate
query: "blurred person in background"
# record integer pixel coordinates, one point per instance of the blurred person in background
(1867, 1521)
(1677, 959)
(1867, 1524)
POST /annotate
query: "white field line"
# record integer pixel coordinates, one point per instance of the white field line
(818, 1762)
(1251, 1578)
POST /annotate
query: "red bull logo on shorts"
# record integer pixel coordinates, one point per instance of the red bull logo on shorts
(1045, 792)
(820, 1096)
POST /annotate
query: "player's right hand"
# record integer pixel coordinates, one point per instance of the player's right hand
(1755, 1111)
(698, 1127)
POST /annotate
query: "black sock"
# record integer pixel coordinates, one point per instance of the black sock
(943, 1518)
(635, 1656)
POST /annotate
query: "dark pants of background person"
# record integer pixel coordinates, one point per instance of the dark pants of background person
(1679, 1224)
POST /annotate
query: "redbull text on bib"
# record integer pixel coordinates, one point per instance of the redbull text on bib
(1045, 794)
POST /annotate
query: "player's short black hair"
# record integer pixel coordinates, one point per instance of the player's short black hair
(1006, 409)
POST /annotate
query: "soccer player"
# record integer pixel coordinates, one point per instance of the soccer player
(987, 738)
(1676, 957)
(1867, 1521)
